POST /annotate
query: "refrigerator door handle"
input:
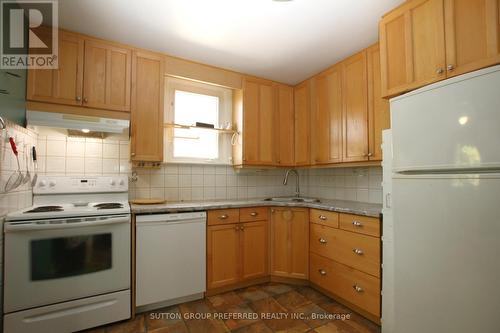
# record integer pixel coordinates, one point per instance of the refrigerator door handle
(388, 200)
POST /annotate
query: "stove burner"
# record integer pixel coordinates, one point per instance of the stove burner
(109, 205)
(45, 209)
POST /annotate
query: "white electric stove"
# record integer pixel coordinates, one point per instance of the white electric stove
(67, 258)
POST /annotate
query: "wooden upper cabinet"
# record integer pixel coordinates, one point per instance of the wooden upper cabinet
(62, 85)
(285, 127)
(259, 109)
(327, 117)
(378, 107)
(472, 35)
(355, 108)
(290, 242)
(146, 138)
(107, 76)
(302, 124)
(412, 46)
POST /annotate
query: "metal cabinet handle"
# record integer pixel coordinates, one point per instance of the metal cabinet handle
(322, 271)
(223, 217)
(358, 288)
(5, 92)
(322, 217)
(439, 71)
(236, 228)
(450, 67)
(357, 224)
(132, 154)
(78, 98)
(242, 228)
(369, 155)
(254, 214)
(85, 100)
(13, 74)
(358, 251)
(322, 240)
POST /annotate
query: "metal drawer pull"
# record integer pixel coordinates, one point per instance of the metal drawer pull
(322, 271)
(5, 92)
(322, 217)
(223, 217)
(322, 240)
(254, 214)
(242, 228)
(236, 228)
(358, 288)
(357, 251)
(357, 224)
(13, 74)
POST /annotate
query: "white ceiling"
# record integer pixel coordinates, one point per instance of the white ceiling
(283, 41)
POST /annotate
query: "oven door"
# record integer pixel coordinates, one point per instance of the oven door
(51, 261)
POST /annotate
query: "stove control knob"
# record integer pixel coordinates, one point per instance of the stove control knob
(122, 182)
(42, 183)
(112, 182)
(52, 183)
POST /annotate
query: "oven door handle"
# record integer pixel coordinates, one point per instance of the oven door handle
(64, 224)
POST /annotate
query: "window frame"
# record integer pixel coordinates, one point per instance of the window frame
(224, 115)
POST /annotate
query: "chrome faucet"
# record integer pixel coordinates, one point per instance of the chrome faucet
(297, 186)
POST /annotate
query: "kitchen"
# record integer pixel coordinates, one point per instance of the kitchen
(185, 173)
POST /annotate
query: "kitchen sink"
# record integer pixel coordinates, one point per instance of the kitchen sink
(293, 199)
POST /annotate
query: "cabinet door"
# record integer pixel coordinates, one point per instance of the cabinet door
(258, 122)
(254, 244)
(327, 126)
(302, 124)
(107, 76)
(378, 107)
(267, 111)
(280, 241)
(299, 244)
(223, 255)
(412, 46)
(289, 242)
(146, 138)
(285, 126)
(355, 108)
(62, 85)
(426, 20)
(471, 35)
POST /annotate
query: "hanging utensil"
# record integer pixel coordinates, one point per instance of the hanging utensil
(27, 174)
(16, 177)
(35, 166)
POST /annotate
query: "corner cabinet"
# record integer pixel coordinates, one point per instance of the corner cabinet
(91, 74)
(146, 131)
(424, 41)
(290, 242)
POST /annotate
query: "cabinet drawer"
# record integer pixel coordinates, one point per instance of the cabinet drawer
(356, 287)
(322, 240)
(324, 217)
(223, 216)
(360, 224)
(358, 251)
(321, 271)
(251, 214)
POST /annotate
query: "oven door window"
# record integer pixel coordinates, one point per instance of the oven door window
(70, 256)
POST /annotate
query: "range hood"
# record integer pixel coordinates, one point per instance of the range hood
(76, 122)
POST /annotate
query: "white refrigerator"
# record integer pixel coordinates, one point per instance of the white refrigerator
(445, 206)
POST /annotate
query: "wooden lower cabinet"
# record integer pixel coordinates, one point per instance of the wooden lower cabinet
(236, 252)
(355, 287)
(290, 242)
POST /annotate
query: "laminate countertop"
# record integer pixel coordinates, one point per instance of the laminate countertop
(341, 206)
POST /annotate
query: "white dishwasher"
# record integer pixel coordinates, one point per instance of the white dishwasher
(170, 259)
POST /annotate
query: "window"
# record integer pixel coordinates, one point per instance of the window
(191, 102)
